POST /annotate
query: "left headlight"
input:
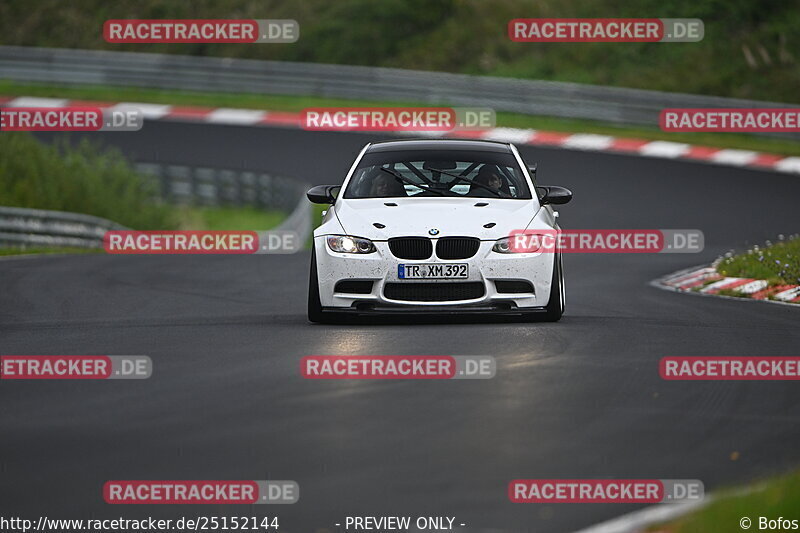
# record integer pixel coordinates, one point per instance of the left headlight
(345, 244)
(518, 244)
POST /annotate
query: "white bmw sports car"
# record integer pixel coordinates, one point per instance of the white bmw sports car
(425, 227)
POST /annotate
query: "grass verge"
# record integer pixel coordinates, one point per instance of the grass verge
(778, 263)
(316, 220)
(298, 103)
(227, 218)
(776, 497)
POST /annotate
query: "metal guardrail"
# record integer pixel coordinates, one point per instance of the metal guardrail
(567, 100)
(299, 221)
(37, 227)
(179, 184)
(182, 184)
(209, 186)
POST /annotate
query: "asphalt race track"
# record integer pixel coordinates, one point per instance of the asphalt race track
(578, 399)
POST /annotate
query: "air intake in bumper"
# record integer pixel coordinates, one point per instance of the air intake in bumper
(433, 292)
(353, 286)
(513, 286)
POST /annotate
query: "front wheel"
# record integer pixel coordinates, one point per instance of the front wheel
(314, 305)
(555, 305)
(315, 313)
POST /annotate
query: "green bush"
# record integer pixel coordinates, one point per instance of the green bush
(751, 48)
(80, 179)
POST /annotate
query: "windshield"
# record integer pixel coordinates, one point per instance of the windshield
(420, 173)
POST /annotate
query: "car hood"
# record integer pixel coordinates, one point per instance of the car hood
(450, 216)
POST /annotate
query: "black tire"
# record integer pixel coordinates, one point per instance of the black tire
(315, 313)
(555, 305)
(314, 306)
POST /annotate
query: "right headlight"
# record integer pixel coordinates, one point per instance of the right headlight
(345, 244)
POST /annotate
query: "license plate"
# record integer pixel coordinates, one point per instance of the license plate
(433, 271)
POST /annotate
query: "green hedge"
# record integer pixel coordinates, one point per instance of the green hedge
(80, 179)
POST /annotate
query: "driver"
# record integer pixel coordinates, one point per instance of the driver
(384, 185)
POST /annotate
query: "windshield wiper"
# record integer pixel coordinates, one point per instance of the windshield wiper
(481, 185)
(411, 182)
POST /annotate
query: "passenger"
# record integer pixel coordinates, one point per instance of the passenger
(489, 176)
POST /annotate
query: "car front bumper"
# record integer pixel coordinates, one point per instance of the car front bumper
(381, 268)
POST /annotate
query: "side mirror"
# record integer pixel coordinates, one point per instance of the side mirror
(553, 194)
(323, 194)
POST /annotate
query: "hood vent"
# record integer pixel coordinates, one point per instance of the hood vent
(378, 225)
(489, 225)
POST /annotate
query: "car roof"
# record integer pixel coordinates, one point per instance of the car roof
(439, 144)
